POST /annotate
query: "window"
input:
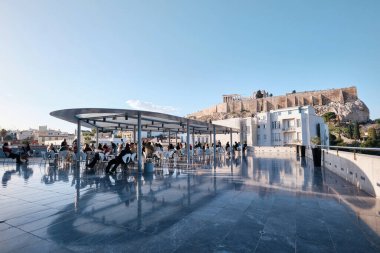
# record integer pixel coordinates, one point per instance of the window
(298, 122)
(289, 112)
(265, 137)
(258, 125)
(264, 126)
(258, 137)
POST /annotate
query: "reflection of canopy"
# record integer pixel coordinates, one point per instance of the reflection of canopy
(121, 119)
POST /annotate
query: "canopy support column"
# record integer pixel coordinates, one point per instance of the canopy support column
(77, 169)
(193, 139)
(134, 134)
(188, 141)
(97, 137)
(231, 147)
(139, 143)
(214, 133)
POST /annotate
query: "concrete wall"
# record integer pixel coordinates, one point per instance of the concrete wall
(224, 138)
(359, 169)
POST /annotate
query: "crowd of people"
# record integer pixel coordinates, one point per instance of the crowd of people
(115, 153)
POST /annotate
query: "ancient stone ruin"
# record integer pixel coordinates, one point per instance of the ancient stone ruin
(344, 102)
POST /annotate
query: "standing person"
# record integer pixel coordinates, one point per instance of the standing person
(228, 146)
(114, 148)
(9, 153)
(27, 150)
(75, 146)
(63, 145)
(51, 151)
(117, 160)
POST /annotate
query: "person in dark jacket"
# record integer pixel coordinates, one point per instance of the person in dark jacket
(118, 160)
(9, 153)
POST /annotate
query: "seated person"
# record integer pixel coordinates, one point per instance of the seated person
(9, 153)
(96, 157)
(118, 159)
(133, 147)
(149, 149)
(86, 148)
(106, 149)
(27, 151)
(120, 148)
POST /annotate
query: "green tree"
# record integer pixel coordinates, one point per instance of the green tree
(377, 121)
(332, 139)
(329, 116)
(294, 91)
(259, 94)
(3, 133)
(350, 131)
(356, 133)
(372, 133)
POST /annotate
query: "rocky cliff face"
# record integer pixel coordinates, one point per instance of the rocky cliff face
(349, 111)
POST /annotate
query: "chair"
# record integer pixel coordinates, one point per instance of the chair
(127, 158)
(45, 157)
(62, 156)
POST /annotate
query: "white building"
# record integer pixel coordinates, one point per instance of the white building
(48, 136)
(26, 134)
(282, 127)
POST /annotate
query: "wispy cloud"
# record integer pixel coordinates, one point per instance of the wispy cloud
(148, 106)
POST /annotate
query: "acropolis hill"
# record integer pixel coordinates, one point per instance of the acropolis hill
(344, 102)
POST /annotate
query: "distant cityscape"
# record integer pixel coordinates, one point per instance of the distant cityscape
(45, 136)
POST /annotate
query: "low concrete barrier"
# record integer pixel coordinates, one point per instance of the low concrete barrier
(359, 169)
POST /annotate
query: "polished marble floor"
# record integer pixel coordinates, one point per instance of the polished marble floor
(261, 203)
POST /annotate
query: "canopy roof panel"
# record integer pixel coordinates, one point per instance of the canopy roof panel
(107, 119)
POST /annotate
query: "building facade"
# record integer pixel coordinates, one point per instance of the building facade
(282, 127)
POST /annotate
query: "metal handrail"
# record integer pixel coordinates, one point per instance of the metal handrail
(344, 147)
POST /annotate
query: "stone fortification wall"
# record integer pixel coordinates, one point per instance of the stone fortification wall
(342, 101)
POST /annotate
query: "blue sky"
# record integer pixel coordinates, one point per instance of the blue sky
(179, 56)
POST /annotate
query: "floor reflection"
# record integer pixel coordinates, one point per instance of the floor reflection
(92, 208)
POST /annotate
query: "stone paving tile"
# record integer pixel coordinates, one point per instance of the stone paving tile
(263, 207)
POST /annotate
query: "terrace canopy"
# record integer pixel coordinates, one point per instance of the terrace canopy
(106, 119)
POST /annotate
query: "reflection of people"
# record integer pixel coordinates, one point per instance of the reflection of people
(7, 176)
(9, 153)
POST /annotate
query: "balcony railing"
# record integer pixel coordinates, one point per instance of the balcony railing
(293, 141)
(288, 129)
